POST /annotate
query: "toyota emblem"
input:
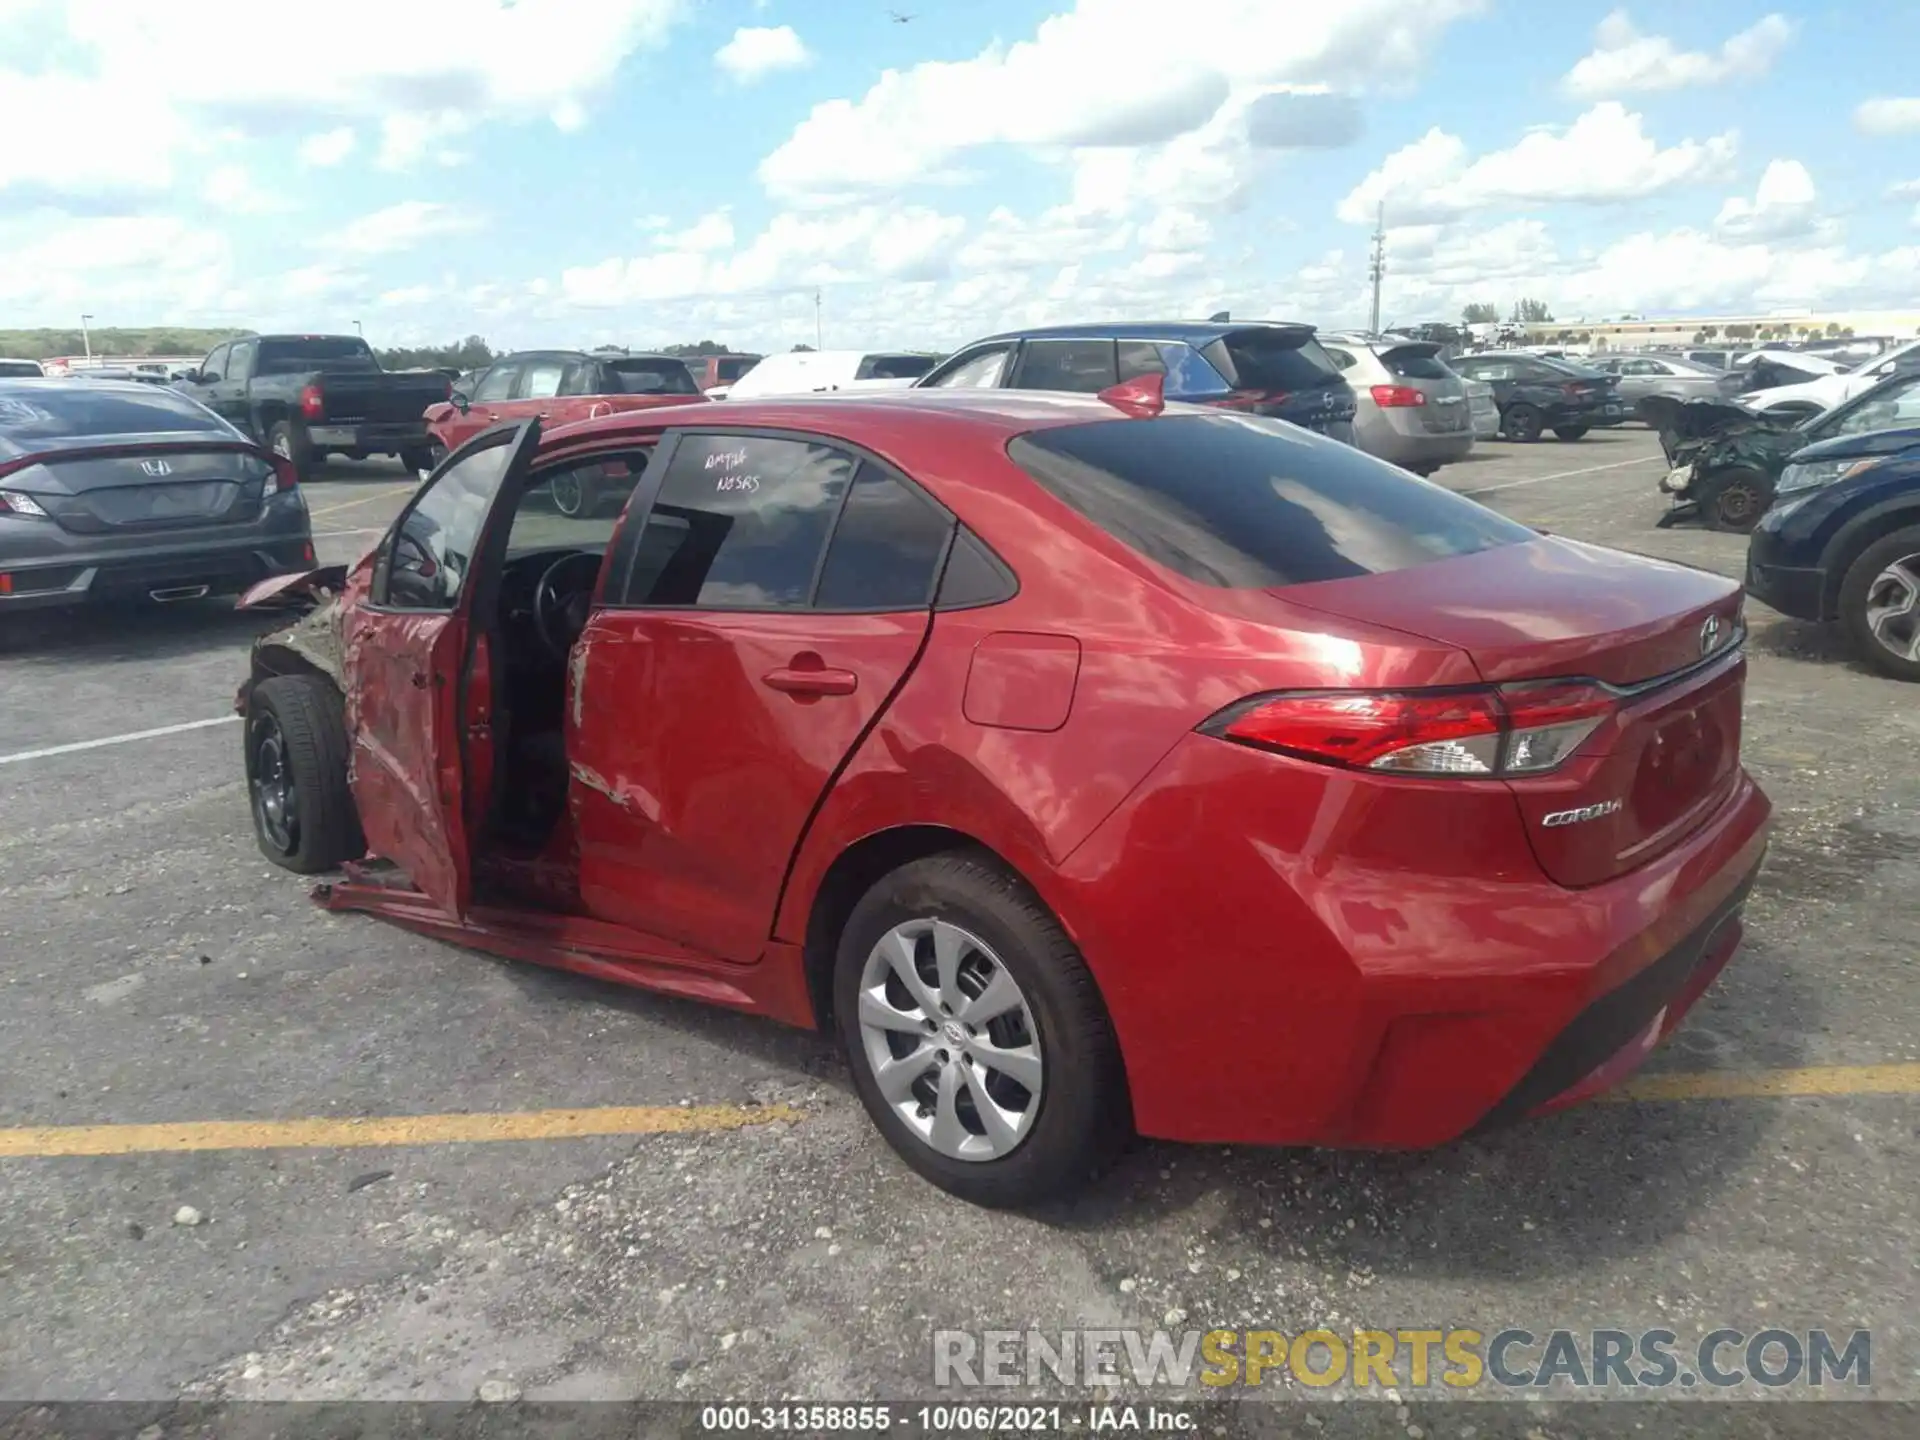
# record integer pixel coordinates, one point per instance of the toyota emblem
(1709, 634)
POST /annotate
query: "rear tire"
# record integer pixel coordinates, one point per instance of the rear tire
(290, 442)
(1880, 604)
(963, 915)
(422, 459)
(1522, 423)
(1570, 432)
(296, 759)
(1733, 500)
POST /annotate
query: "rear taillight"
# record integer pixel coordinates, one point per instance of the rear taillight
(1508, 730)
(1397, 397)
(14, 502)
(312, 403)
(283, 478)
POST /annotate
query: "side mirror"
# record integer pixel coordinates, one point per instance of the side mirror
(459, 402)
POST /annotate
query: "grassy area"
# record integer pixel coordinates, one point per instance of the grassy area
(158, 340)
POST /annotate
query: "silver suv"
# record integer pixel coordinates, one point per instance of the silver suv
(1410, 408)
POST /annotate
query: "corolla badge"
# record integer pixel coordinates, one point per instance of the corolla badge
(1585, 812)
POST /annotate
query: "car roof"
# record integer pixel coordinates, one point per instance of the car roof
(581, 355)
(1194, 332)
(867, 416)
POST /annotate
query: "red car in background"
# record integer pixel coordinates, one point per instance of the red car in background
(711, 371)
(558, 387)
(1088, 765)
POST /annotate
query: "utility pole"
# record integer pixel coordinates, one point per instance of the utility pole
(357, 330)
(1378, 269)
(86, 341)
(819, 332)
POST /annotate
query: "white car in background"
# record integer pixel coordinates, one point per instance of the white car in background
(18, 369)
(1814, 397)
(806, 372)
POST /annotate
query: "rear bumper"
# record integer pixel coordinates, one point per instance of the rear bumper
(1416, 449)
(223, 567)
(375, 439)
(1329, 968)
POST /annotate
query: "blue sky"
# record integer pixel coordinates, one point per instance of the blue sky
(645, 171)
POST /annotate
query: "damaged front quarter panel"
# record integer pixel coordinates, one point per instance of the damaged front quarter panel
(311, 644)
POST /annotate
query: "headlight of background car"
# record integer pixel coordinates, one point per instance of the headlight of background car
(1818, 474)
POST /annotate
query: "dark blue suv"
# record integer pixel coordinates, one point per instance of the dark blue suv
(1842, 542)
(1259, 368)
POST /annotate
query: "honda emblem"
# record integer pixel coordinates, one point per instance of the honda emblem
(156, 467)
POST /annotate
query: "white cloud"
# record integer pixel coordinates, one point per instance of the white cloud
(1624, 61)
(410, 137)
(1886, 115)
(90, 148)
(1087, 78)
(1604, 157)
(398, 227)
(328, 148)
(756, 52)
(231, 189)
(1783, 207)
(156, 268)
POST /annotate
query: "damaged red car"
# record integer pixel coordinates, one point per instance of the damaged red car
(1088, 766)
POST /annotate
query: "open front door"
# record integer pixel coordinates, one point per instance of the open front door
(412, 725)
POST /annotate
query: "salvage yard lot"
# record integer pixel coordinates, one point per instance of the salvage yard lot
(155, 970)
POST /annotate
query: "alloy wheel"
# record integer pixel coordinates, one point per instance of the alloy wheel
(276, 807)
(1893, 608)
(950, 1040)
(567, 493)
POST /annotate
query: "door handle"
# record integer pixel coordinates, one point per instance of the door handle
(810, 681)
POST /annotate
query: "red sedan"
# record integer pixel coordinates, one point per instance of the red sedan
(1086, 766)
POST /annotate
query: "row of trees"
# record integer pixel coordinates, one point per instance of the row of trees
(474, 353)
(162, 340)
(1526, 311)
(1535, 312)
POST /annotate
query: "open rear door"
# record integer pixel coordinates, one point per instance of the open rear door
(408, 649)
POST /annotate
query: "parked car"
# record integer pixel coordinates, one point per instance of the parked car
(1842, 543)
(1822, 392)
(1484, 409)
(1643, 375)
(558, 386)
(810, 372)
(19, 369)
(710, 371)
(1107, 768)
(310, 396)
(1260, 368)
(1410, 409)
(116, 489)
(1535, 394)
(1725, 458)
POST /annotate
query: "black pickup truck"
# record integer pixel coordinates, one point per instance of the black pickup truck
(310, 396)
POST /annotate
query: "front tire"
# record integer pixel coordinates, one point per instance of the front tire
(1570, 432)
(1734, 500)
(1880, 604)
(296, 758)
(976, 1036)
(1522, 423)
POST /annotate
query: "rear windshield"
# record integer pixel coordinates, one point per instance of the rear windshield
(318, 352)
(1412, 364)
(1270, 360)
(653, 377)
(64, 409)
(1245, 502)
(731, 370)
(895, 367)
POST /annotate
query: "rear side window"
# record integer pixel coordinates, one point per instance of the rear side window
(894, 367)
(1082, 366)
(886, 549)
(739, 523)
(1415, 365)
(1246, 502)
(1270, 360)
(1136, 358)
(654, 377)
(731, 370)
(76, 408)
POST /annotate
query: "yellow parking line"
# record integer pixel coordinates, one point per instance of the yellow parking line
(1744, 1084)
(388, 493)
(36, 1141)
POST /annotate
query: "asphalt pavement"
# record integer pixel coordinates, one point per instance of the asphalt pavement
(155, 971)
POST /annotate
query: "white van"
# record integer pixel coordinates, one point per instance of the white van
(806, 372)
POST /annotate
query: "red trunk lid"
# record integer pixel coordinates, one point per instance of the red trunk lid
(1660, 634)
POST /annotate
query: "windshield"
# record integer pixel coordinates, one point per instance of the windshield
(1891, 404)
(316, 352)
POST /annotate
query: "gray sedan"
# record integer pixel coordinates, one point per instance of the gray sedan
(123, 489)
(1643, 374)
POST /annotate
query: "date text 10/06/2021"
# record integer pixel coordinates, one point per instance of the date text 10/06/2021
(961, 1419)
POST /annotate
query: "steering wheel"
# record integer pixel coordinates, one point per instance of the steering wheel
(559, 609)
